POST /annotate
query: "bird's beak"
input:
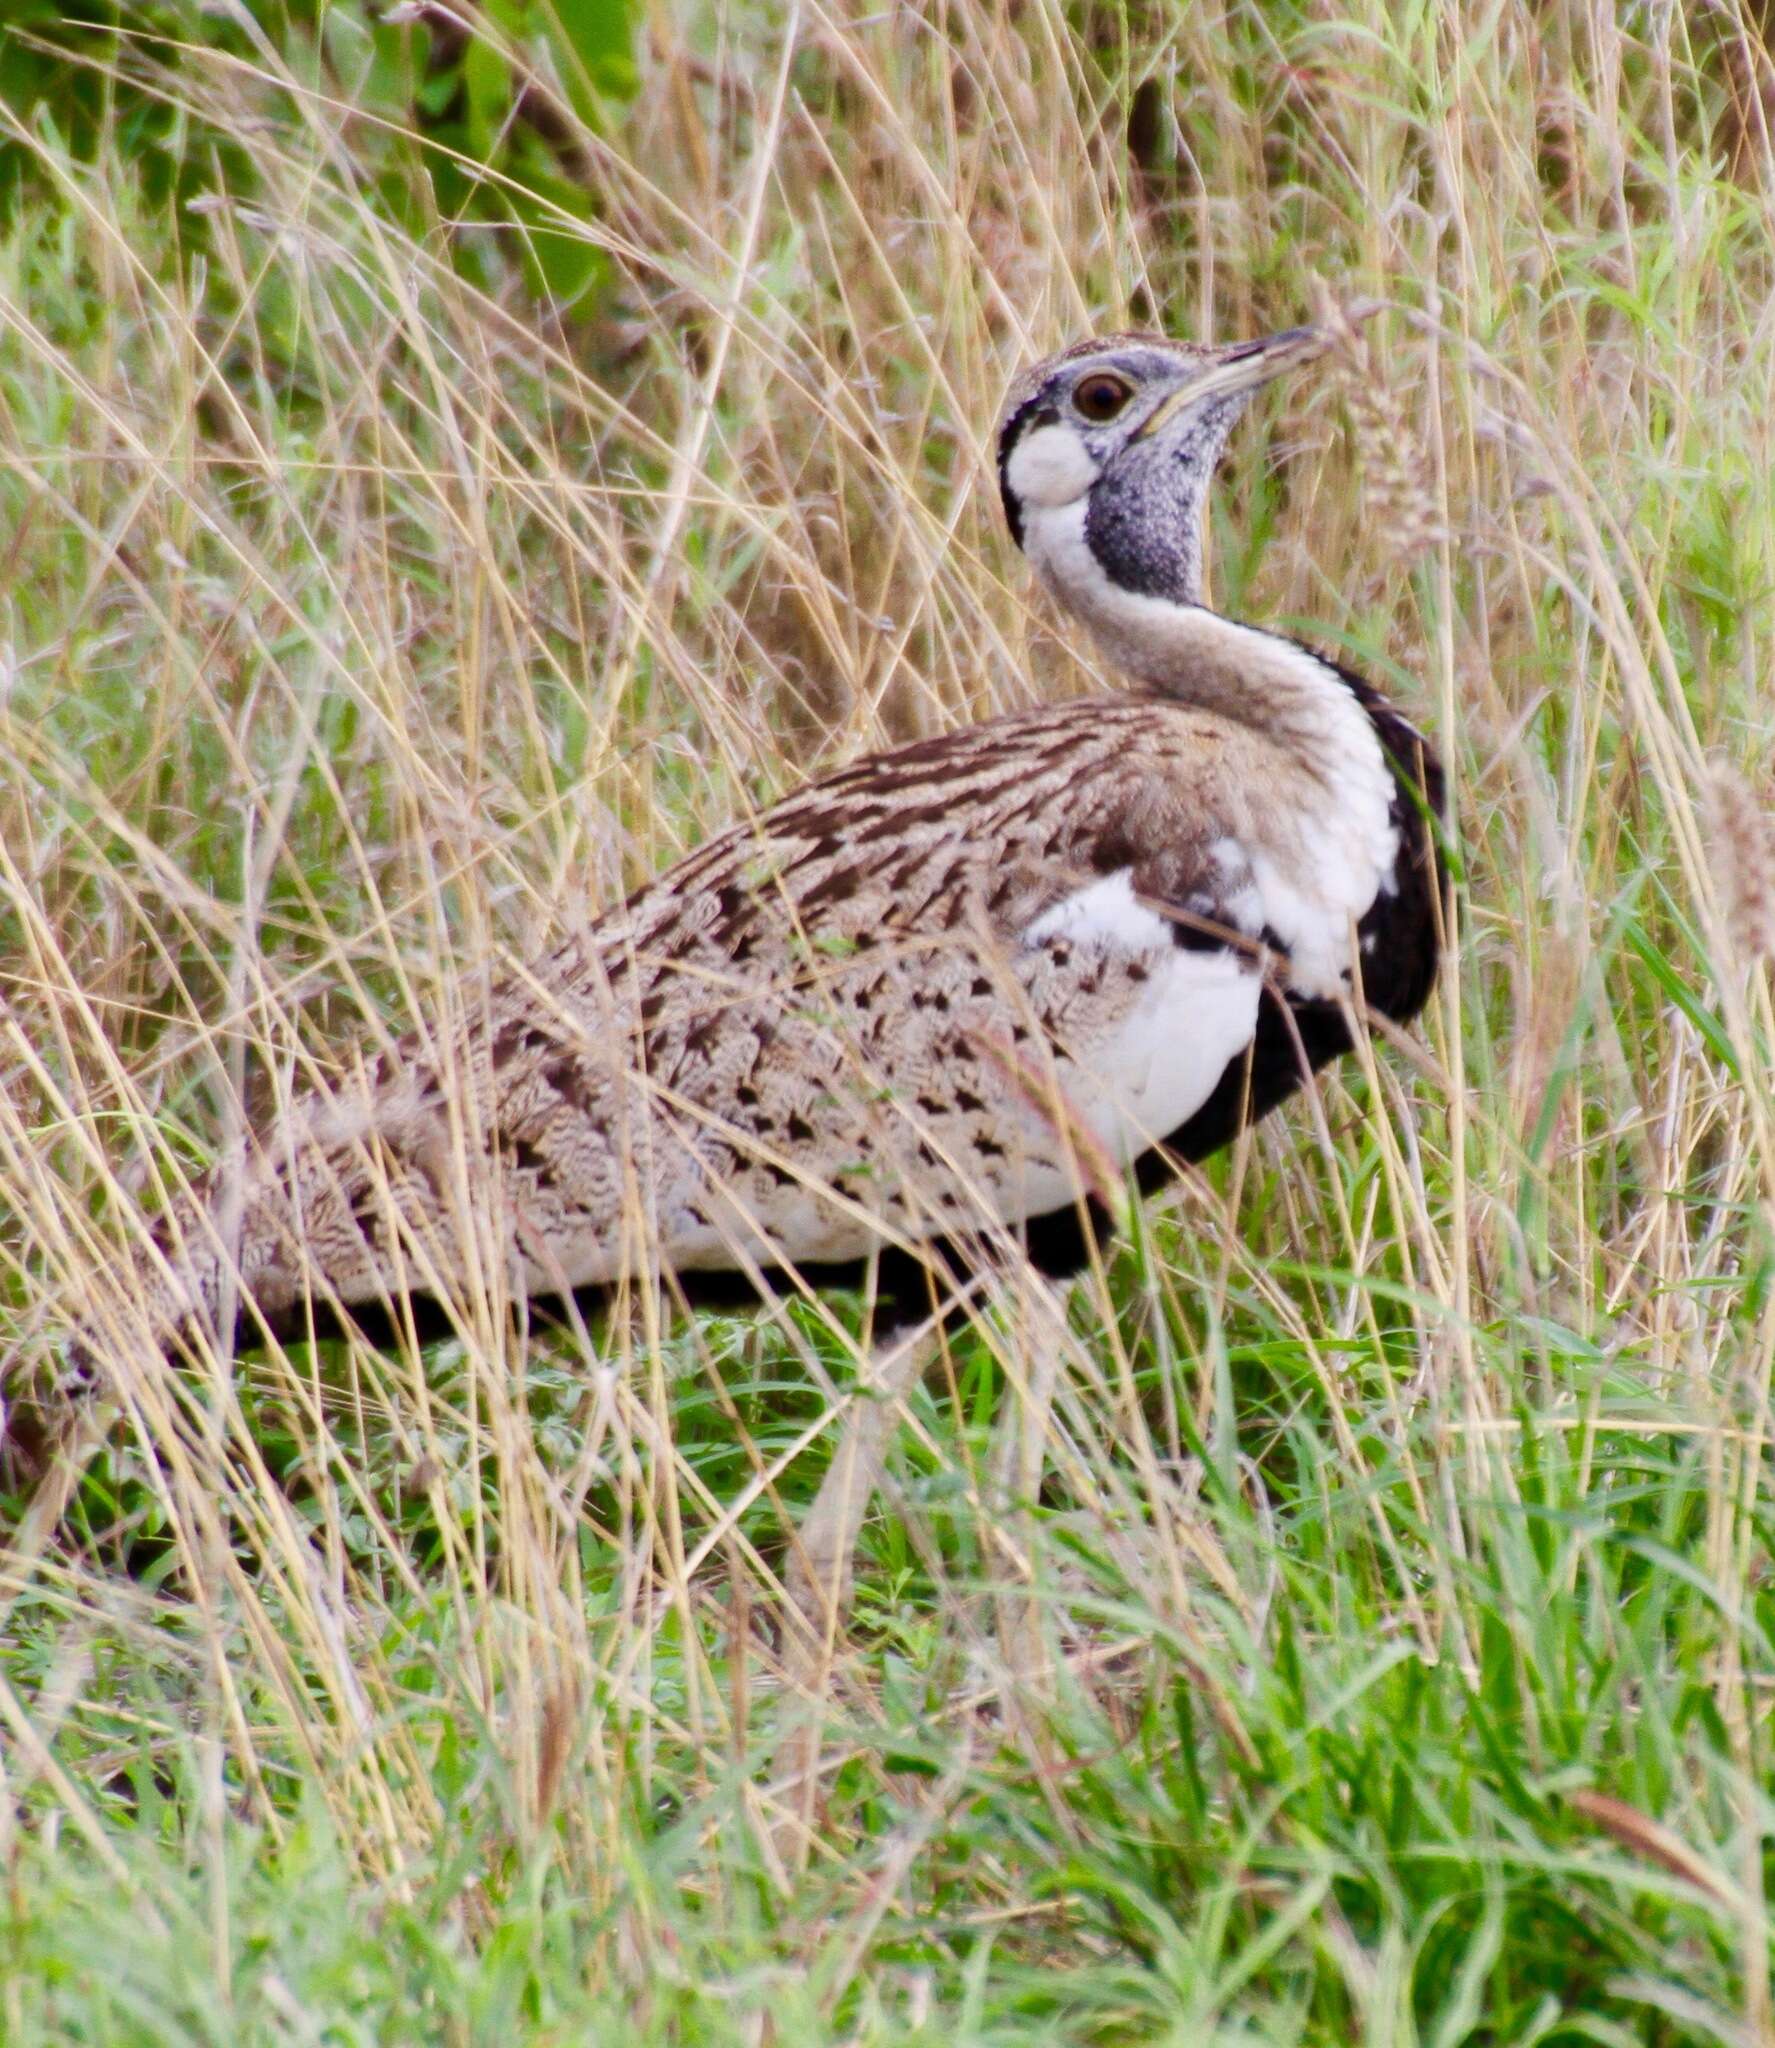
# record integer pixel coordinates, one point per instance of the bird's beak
(1241, 368)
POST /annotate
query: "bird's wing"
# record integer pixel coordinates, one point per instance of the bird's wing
(941, 992)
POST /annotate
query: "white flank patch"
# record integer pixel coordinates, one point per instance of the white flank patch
(1194, 1015)
(1049, 467)
(1105, 913)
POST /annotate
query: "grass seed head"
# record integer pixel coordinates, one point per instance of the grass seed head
(1397, 489)
(1742, 842)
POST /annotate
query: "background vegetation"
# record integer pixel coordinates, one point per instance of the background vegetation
(450, 461)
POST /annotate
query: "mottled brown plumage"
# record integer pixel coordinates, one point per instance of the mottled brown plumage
(934, 1000)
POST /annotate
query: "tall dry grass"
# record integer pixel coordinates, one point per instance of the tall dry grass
(363, 631)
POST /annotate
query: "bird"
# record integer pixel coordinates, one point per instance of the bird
(931, 1013)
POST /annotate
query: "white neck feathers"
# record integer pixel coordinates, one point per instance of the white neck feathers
(1326, 844)
(1185, 651)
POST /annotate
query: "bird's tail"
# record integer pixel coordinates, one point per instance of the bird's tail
(329, 1217)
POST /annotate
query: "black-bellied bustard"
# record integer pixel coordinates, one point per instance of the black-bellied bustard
(923, 1014)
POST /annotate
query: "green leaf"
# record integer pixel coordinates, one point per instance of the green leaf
(595, 40)
(558, 263)
(1663, 971)
(487, 80)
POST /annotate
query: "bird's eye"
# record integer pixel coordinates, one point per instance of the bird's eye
(1100, 396)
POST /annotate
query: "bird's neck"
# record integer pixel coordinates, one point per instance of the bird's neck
(1173, 644)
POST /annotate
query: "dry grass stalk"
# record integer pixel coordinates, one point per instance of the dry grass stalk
(1644, 1836)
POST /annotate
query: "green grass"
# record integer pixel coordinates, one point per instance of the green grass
(1397, 1515)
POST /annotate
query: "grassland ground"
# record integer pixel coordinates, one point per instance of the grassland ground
(1393, 1505)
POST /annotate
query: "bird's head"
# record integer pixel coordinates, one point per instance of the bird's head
(1106, 452)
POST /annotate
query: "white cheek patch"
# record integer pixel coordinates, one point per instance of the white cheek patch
(1049, 466)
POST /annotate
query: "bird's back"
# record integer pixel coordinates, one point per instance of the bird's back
(942, 993)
